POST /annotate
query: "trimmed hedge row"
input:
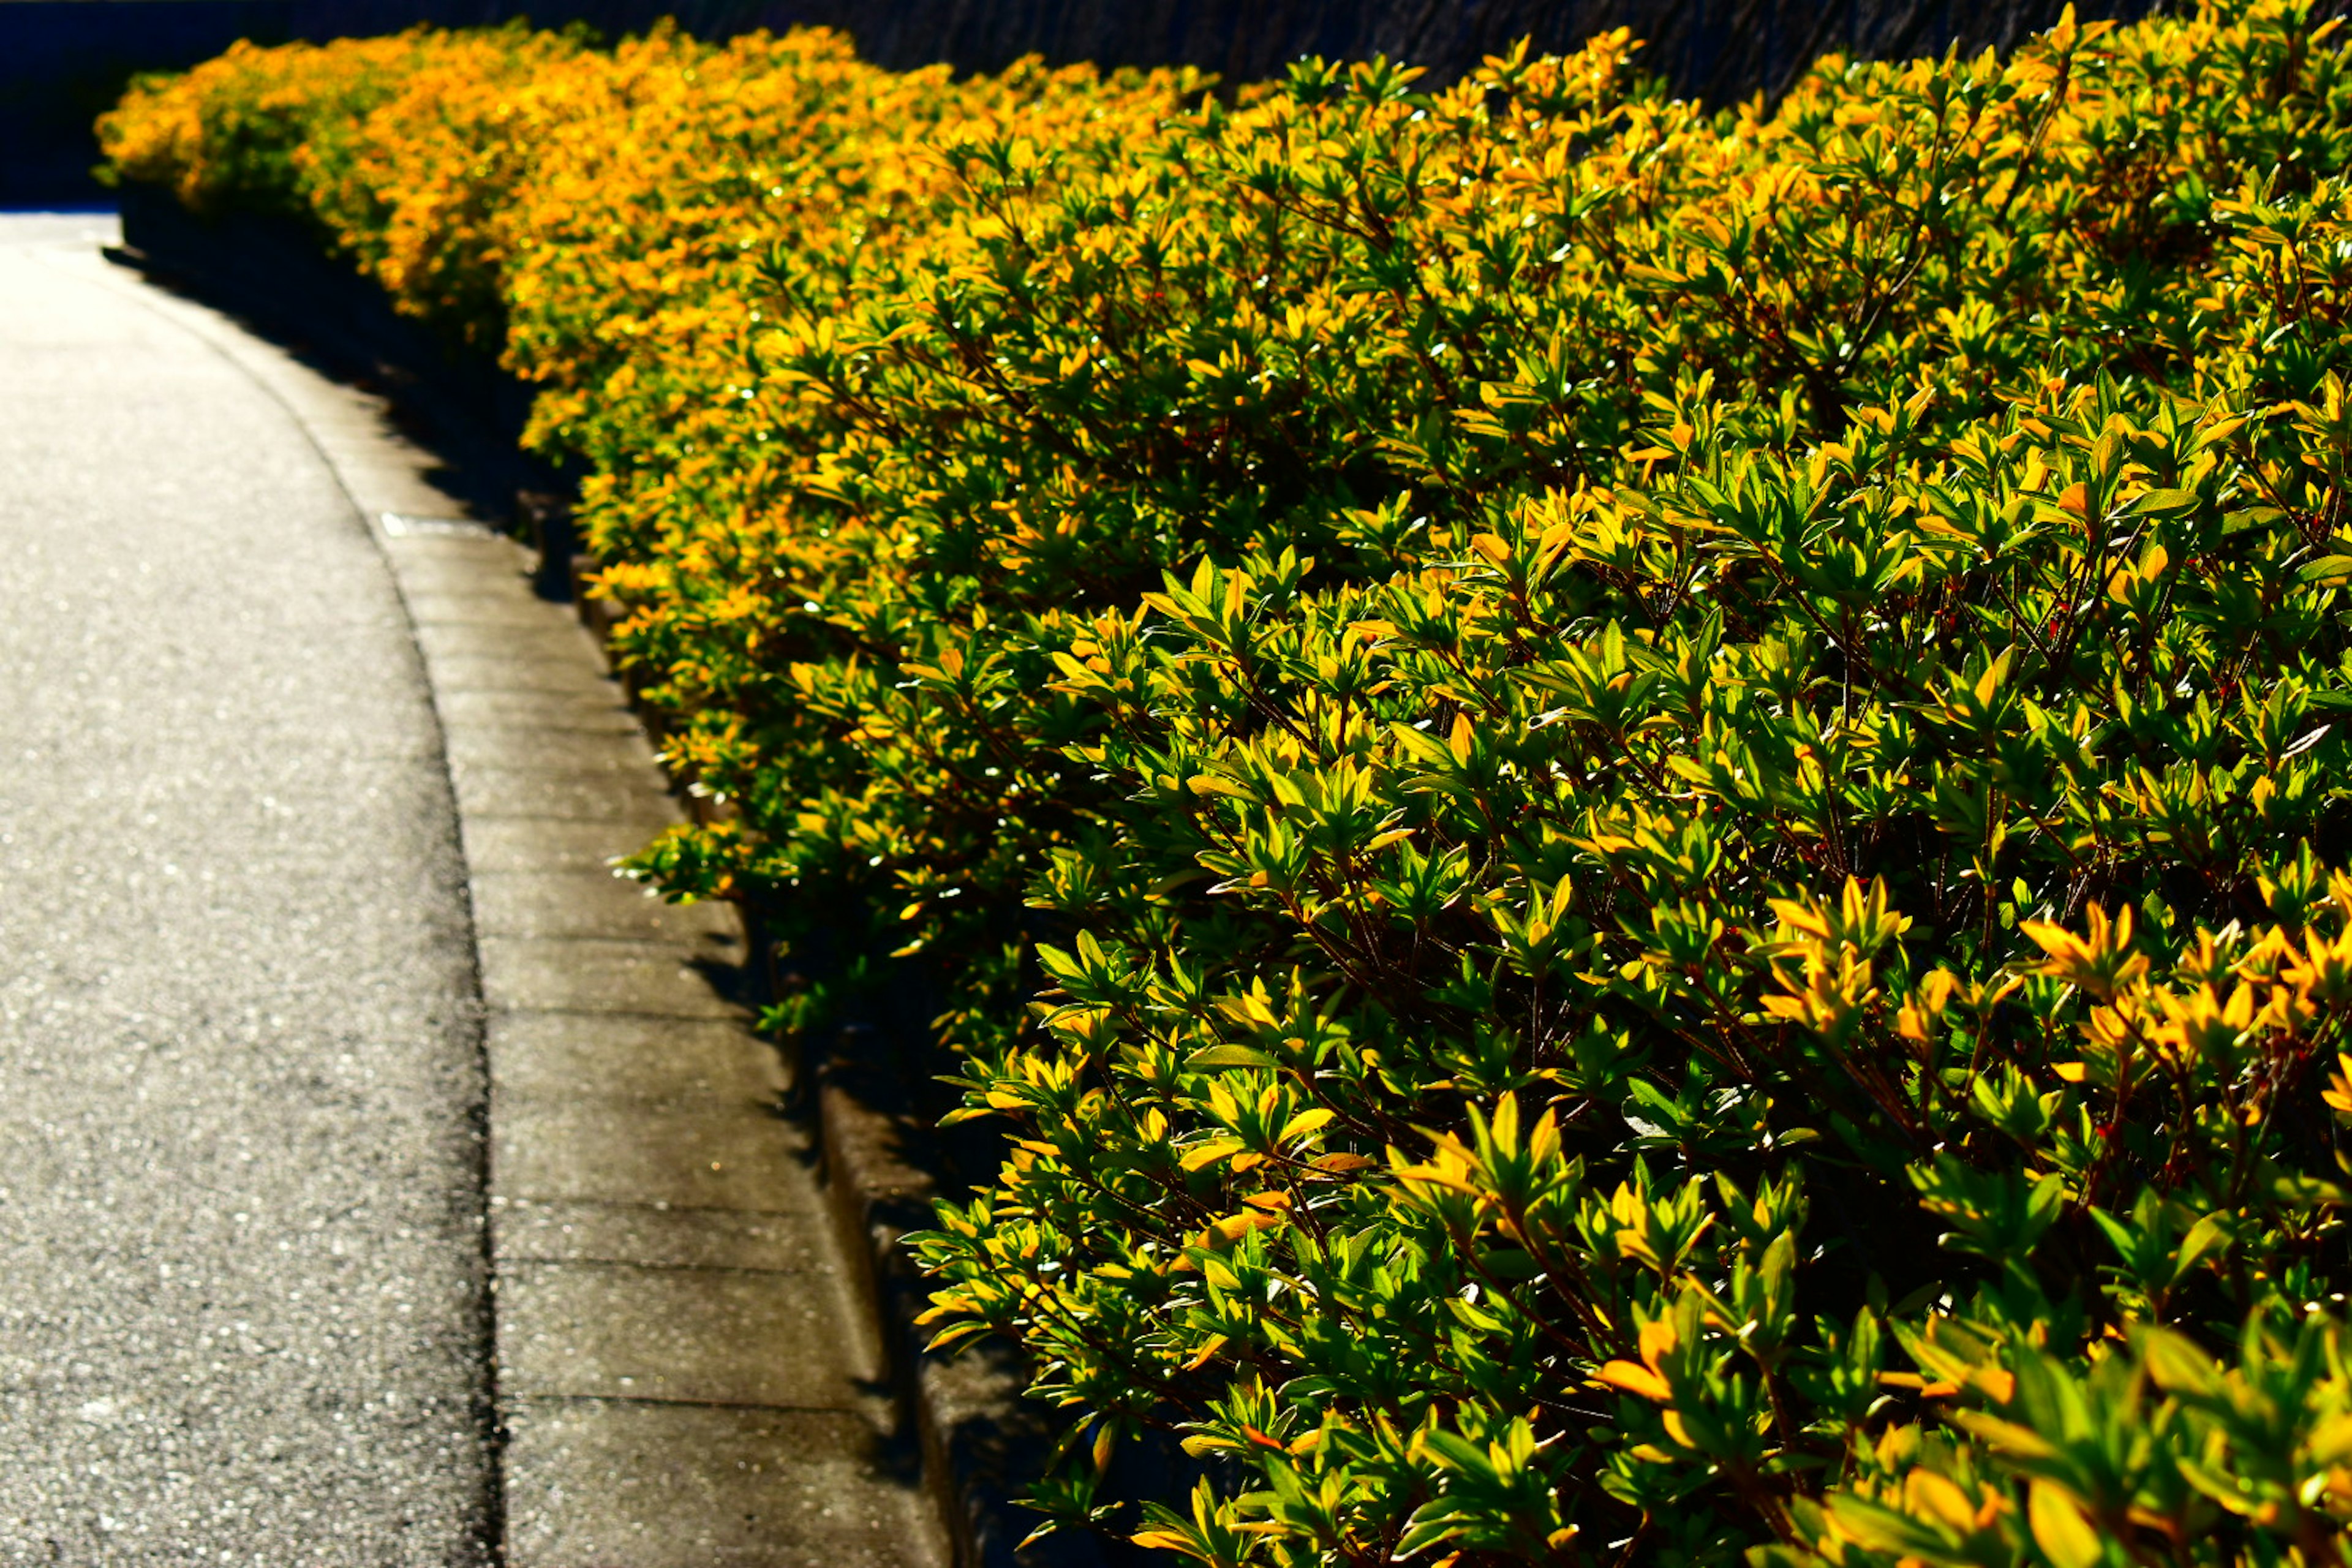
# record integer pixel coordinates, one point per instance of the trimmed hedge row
(1639, 811)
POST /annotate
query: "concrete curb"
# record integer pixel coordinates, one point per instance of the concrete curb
(685, 1372)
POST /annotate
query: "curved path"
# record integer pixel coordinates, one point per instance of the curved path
(303, 890)
(241, 1282)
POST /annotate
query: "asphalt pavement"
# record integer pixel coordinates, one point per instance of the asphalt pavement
(241, 1096)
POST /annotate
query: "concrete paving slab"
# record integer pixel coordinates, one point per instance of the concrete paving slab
(546, 844)
(392, 482)
(498, 672)
(662, 1236)
(699, 1335)
(617, 1056)
(590, 904)
(583, 975)
(430, 556)
(616, 1151)
(528, 713)
(453, 606)
(561, 643)
(597, 1484)
(633, 801)
(494, 565)
(491, 748)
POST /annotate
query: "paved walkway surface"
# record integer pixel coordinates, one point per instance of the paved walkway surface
(252, 963)
(241, 1304)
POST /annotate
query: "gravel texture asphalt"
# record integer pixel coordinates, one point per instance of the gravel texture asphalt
(241, 1279)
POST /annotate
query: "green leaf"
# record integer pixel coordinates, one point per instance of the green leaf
(2164, 503)
(1228, 1055)
(2208, 1235)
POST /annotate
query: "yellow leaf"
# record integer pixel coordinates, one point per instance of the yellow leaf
(1234, 1227)
(1932, 1496)
(2059, 1528)
(2023, 1441)
(1636, 1379)
(1305, 1122)
(1208, 1153)
(1163, 1540)
(2331, 1441)
(1998, 1386)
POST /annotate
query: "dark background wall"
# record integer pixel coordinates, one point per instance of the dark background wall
(62, 61)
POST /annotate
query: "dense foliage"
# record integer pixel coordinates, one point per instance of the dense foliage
(1672, 778)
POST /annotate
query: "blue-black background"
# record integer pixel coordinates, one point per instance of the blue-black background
(62, 61)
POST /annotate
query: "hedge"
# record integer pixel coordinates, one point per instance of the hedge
(1637, 811)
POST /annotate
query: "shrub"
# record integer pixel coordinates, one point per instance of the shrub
(1670, 775)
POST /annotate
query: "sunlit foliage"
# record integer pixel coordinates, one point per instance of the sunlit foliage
(1635, 810)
